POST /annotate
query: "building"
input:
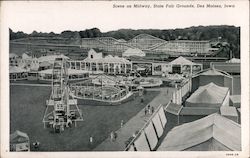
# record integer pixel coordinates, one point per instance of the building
(133, 52)
(13, 59)
(96, 64)
(17, 73)
(232, 67)
(19, 141)
(218, 77)
(182, 65)
(230, 113)
(211, 133)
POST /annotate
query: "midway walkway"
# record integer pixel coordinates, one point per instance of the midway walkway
(135, 123)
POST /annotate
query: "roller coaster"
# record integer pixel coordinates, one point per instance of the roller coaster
(61, 108)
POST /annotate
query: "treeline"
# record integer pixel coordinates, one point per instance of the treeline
(230, 34)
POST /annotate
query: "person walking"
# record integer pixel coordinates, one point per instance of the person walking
(90, 140)
(112, 136)
(152, 109)
(148, 106)
(122, 123)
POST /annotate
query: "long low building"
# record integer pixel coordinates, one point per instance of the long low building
(96, 63)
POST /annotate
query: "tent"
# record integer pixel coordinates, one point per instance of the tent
(235, 100)
(190, 135)
(230, 113)
(210, 95)
(13, 55)
(19, 141)
(18, 137)
(15, 69)
(25, 56)
(51, 58)
(181, 61)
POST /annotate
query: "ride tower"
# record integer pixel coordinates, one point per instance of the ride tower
(61, 108)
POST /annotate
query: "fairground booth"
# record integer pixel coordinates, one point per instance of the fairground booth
(19, 141)
(182, 65)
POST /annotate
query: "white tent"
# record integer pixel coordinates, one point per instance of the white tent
(51, 58)
(214, 126)
(209, 95)
(15, 69)
(25, 56)
(13, 55)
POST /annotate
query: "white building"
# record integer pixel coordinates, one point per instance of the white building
(96, 63)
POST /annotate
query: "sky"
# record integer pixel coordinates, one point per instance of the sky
(56, 16)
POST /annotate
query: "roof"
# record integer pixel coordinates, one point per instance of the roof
(198, 111)
(212, 72)
(233, 60)
(108, 59)
(226, 66)
(209, 145)
(133, 52)
(228, 111)
(45, 64)
(182, 61)
(215, 126)
(25, 56)
(175, 77)
(15, 69)
(51, 57)
(174, 108)
(18, 133)
(70, 71)
(235, 98)
(210, 93)
(12, 55)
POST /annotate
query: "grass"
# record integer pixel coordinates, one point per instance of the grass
(27, 105)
